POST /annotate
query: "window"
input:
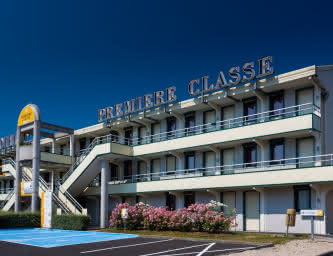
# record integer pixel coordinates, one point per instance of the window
(276, 104)
(189, 123)
(190, 161)
(171, 127)
(47, 149)
(114, 172)
(189, 199)
(250, 155)
(127, 170)
(250, 111)
(276, 151)
(171, 202)
(302, 197)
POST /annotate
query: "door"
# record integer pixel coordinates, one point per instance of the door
(209, 162)
(142, 167)
(171, 165)
(305, 148)
(304, 99)
(156, 164)
(329, 213)
(229, 200)
(128, 136)
(252, 211)
(228, 160)
(142, 135)
(228, 115)
(156, 132)
(209, 121)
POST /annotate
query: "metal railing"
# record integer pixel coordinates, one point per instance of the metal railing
(97, 141)
(6, 190)
(8, 197)
(271, 165)
(262, 117)
(272, 115)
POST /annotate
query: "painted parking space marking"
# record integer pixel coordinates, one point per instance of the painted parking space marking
(224, 250)
(131, 245)
(48, 238)
(178, 249)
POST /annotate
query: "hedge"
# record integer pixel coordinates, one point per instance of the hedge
(70, 222)
(19, 220)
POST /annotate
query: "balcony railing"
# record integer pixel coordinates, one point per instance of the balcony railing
(262, 117)
(6, 190)
(263, 166)
(277, 114)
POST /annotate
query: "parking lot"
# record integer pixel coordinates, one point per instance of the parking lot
(44, 242)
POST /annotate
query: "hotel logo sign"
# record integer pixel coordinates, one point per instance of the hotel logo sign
(236, 76)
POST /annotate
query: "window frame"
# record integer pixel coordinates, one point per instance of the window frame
(297, 189)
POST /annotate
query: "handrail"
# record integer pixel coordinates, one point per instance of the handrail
(270, 165)
(301, 109)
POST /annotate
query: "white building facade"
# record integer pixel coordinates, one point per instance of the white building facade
(260, 147)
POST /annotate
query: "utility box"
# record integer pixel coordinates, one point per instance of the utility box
(291, 217)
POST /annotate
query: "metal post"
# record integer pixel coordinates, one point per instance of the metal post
(288, 221)
(105, 170)
(18, 172)
(35, 166)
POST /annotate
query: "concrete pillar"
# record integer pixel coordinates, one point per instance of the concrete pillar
(135, 135)
(18, 172)
(35, 166)
(179, 199)
(105, 170)
(53, 146)
(72, 146)
(52, 179)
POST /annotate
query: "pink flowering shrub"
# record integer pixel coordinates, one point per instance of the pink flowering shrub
(197, 217)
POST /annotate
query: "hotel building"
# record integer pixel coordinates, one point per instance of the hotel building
(260, 147)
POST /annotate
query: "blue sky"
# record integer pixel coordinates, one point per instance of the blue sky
(74, 57)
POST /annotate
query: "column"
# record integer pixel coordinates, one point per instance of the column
(18, 172)
(53, 144)
(72, 146)
(179, 199)
(135, 135)
(35, 166)
(105, 170)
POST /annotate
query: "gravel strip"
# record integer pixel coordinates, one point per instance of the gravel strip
(294, 248)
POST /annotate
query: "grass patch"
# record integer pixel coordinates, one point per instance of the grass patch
(231, 236)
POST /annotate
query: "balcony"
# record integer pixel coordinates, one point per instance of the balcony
(301, 170)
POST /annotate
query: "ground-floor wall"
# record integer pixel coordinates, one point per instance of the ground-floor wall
(257, 209)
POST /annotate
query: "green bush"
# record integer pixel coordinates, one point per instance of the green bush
(19, 220)
(70, 222)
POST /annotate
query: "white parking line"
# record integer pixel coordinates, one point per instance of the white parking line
(206, 249)
(43, 238)
(130, 245)
(224, 250)
(183, 248)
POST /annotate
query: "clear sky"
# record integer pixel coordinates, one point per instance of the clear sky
(74, 57)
